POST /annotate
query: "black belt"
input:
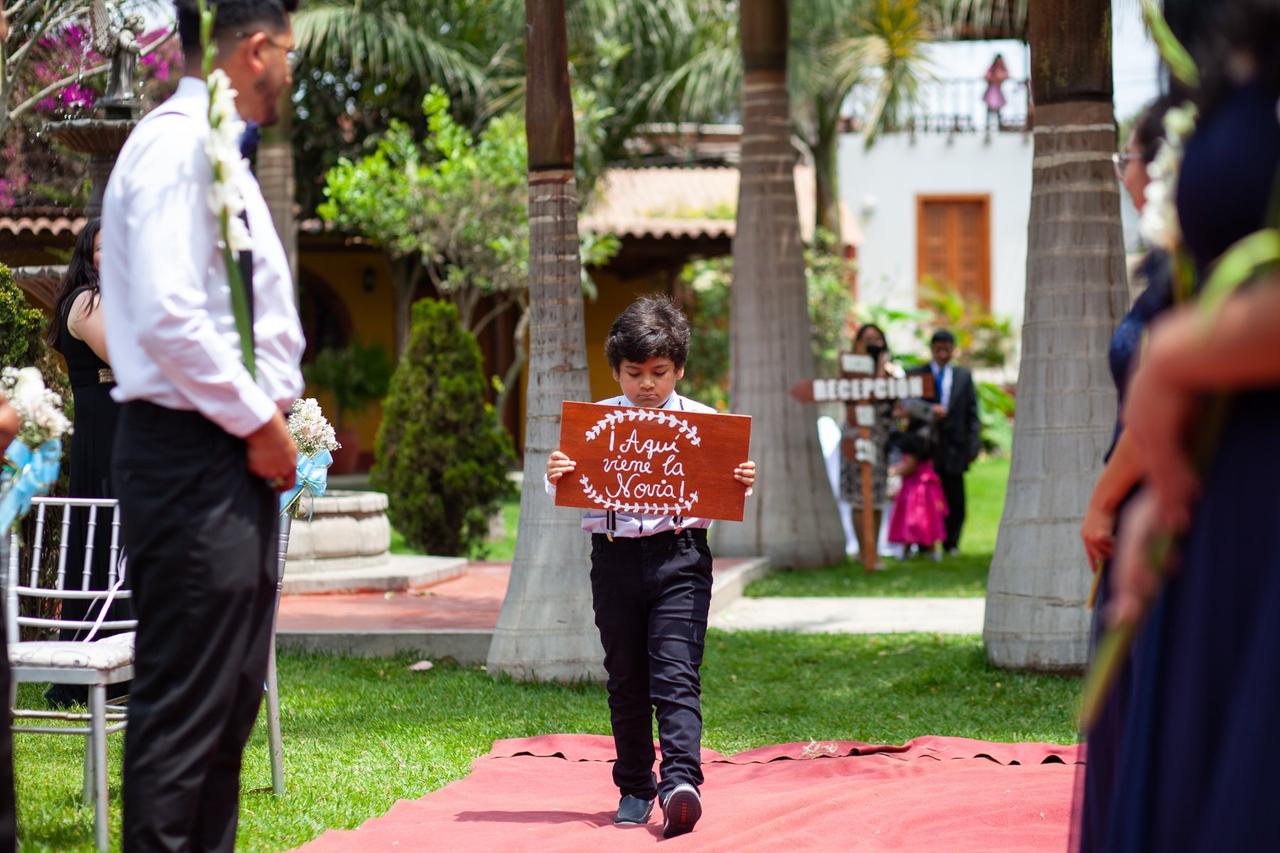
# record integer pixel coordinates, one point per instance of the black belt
(697, 534)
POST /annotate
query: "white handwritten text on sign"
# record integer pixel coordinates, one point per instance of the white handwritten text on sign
(653, 461)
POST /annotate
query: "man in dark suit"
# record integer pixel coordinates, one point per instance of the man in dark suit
(957, 443)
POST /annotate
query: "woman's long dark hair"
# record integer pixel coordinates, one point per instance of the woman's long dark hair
(80, 274)
(1214, 31)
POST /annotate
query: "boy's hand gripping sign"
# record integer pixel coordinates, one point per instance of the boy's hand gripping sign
(653, 461)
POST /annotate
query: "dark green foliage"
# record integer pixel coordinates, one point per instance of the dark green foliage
(21, 325)
(441, 455)
(356, 375)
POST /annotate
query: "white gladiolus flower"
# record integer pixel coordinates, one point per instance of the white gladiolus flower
(222, 147)
(222, 96)
(238, 237)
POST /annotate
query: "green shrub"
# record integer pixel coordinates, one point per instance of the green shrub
(995, 411)
(441, 455)
(21, 325)
(983, 338)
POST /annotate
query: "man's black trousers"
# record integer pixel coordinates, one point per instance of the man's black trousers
(651, 595)
(953, 491)
(200, 535)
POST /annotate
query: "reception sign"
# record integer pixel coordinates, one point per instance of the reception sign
(653, 461)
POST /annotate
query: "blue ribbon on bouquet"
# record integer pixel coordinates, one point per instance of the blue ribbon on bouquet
(313, 477)
(34, 473)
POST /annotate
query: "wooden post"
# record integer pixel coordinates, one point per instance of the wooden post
(864, 454)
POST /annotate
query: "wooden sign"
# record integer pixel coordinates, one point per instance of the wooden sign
(859, 384)
(653, 461)
(855, 388)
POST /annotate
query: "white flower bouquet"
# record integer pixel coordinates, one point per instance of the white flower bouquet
(315, 439)
(310, 430)
(32, 460)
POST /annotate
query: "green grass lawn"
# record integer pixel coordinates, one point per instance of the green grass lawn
(360, 734)
(962, 575)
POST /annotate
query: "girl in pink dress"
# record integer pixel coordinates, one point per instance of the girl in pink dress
(920, 510)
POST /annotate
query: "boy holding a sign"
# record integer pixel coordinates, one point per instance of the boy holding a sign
(650, 564)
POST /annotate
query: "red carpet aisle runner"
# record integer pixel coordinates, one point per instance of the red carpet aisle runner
(934, 793)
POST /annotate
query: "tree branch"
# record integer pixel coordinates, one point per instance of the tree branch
(492, 314)
(55, 87)
(70, 78)
(19, 56)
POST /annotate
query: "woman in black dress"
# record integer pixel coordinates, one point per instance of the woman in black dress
(77, 332)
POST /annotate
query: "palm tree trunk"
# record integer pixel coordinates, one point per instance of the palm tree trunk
(792, 518)
(826, 169)
(1076, 294)
(276, 177)
(546, 630)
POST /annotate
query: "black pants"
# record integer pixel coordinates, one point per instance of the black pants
(8, 804)
(651, 597)
(200, 534)
(953, 491)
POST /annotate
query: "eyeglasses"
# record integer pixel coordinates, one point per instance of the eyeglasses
(1121, 161)
(291, 54)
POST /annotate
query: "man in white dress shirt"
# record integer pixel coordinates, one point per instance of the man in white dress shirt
(202, 447)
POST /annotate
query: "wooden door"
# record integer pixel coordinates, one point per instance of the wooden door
(953, 244)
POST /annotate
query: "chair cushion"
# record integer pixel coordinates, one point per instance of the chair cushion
(106, 654)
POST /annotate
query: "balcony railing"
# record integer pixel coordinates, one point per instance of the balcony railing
(955, 106)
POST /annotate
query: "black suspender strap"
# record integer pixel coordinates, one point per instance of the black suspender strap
(246, 275)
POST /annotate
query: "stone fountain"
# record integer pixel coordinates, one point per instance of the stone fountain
(102, 136)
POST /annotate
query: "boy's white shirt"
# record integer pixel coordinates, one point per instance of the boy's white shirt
(633, 526)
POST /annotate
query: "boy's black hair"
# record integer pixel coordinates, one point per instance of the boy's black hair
(943, 336)
(231, 17)
(651, 327)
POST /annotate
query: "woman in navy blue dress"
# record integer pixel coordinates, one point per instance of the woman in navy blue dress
(1203, 723)
(1120, 478)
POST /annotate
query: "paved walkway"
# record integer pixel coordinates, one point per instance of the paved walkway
(854, 615)
(456, 617)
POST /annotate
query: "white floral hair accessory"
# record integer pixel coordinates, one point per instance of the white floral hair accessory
(1159, 223)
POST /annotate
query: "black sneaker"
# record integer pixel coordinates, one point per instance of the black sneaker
(681, 810)
(633, 810)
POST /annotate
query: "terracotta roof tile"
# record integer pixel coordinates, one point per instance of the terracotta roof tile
(689, 202)
(663, 202)
(40, 226)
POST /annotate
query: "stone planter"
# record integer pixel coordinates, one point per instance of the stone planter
(346, 530)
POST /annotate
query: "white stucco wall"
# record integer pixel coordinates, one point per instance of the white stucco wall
(880, 186)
